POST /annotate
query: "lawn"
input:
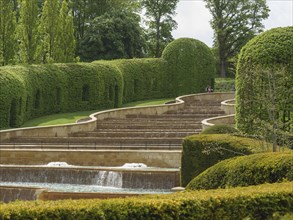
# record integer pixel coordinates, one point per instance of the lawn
(65, 118)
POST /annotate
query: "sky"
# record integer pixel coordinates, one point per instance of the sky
(193, 18)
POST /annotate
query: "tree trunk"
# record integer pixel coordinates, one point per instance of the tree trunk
(222, 68)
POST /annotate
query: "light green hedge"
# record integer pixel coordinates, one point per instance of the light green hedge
(31, 91)
(264, 82)
(246, 170)
(255, 202)
(203, 151)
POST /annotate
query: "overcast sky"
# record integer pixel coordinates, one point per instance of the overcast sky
(193, 18)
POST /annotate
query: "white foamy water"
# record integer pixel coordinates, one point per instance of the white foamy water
(58, 164)
(109, 179)
(134, 165)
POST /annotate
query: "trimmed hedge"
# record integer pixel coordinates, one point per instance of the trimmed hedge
(203, 151)
(245, 170)
(254, 202)
(191, 66)
(31, 91)
(265, 60)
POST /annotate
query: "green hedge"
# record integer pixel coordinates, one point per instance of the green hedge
(191, 66)
(254, 202)
(265, 62)
(31, 91)
(220, 129)
(203, 151)
(245, 170)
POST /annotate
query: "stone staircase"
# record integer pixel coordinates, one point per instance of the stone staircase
(134, 131)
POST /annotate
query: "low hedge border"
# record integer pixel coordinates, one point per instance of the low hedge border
(255, 202)
(203, 151)
(245, 170)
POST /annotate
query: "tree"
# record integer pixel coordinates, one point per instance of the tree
(65, 40)
(160, 22)
(235, 23)
(113, 35)
(27, 30)
(48, 31)
(8, 42)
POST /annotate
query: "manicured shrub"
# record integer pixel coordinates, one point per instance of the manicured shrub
(254, 202)
(264, 91)
(220, 129)
(203, 151)
(191, 66)
(248, 170)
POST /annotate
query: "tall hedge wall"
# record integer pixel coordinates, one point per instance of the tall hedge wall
(191, 66)
(248, 170)
(264, 91)
(203, 151)
(31, 91)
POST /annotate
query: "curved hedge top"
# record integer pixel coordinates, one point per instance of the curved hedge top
(248, 170)
(191, 66)
(267, 57)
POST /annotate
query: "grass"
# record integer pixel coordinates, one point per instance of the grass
(65, 118)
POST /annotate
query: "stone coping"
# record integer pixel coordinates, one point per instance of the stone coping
(66, 129)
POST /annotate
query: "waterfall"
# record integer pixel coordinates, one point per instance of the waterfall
(109, 178)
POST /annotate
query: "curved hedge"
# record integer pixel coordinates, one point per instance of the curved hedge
(245, 171)
(220, 129)
(264, 81)
(203, 151)
(31, 91)
(254, 202)
(191, 66)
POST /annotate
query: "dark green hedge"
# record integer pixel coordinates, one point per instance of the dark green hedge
(203, 151)
(246, 170)
(191, 66)
(264, 81)
(254, 202)
(31, 91)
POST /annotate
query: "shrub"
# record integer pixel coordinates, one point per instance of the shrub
(264, 82)
(203, 151)
(245, 170)
(254, 202)
(191, 66)
(220, 129)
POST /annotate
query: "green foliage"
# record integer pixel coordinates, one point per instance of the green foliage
(191, 66)
(203, 151)
(245, 171)
(27, 30)
(220, 129)
(224, 85)
(112, 36)
(254, 202)
(48, 32)
(235, 23)
(264, 82)
(160, 23)
(65, 41)
(8, 42)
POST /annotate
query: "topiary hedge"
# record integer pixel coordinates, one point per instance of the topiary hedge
(203, 151)
(245, 170)
(254, 202)
(264, 79)
(191, 66)
(31, 91)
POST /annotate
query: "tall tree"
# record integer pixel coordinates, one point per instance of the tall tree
(235, 23)
(48, 31)
(65, 40)
(27, 30)
(113, 35)
(8, 42)
(160, 22)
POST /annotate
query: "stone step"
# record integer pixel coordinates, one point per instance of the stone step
(174, 115)
(99, 140)
(149, 130)
(149, 126)
(197, 110)
(133, 134)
